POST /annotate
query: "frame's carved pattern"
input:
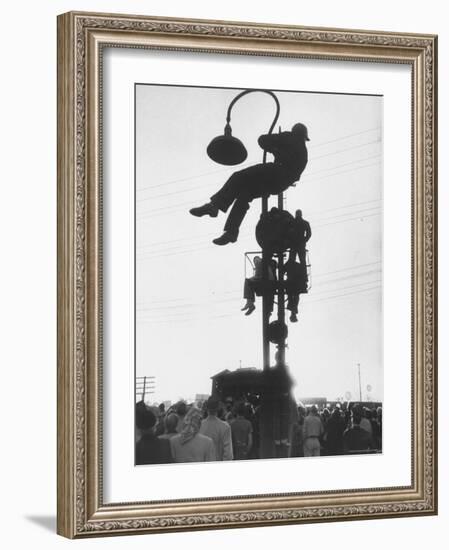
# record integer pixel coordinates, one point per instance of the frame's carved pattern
(80, 276)
(245, 31)
(429, 275)
(254, 518)
(84, 525)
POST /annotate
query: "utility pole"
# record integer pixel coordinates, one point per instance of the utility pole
(360, 383)
(265, 308)
(267, 447)
(281, 294)
(145, 385)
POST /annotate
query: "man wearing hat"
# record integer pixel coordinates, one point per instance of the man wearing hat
(218, 430)
(261, 180)
(150, 449)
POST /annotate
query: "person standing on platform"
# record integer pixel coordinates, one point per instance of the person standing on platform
(303, 232)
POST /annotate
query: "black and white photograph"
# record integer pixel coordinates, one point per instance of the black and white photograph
(258, 274)
(247, 285)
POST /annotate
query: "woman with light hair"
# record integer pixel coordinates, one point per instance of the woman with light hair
(190, 445)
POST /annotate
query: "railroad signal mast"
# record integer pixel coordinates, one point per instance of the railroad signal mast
(276, 393)
(283, 333)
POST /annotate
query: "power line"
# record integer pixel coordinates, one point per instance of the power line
(307, 180)
(358, 218)
(161, 314)
(163, 300)
(342, 165)
(223, 170)
(345, 137)
(179, 249)
(175, 192)
(188, 178)
(165, 209)
(238, 313)
(193, 238)
(247, 234)
(319, 276)
(319, 293)
(344, 207)
(196, 237)
(203, 186)
(149, 213)
(346, 277)
(359, 146)
(335, 216)
(185, 203)
(210, 301)
(150, 306)
(194, 304)
(347, 269)
(329, 298)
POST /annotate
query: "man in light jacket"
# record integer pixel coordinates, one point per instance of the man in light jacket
(218, 430)
(312, 431)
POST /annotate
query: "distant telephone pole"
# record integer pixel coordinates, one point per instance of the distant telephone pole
(360, 383)
(145, 385)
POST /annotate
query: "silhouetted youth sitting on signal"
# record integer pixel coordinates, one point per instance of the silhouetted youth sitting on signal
(256, 284)
(271, 178)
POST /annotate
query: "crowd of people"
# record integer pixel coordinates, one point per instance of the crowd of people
(348, 429)
(217, 431)
(187, 434)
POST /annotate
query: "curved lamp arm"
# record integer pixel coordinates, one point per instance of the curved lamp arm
(246, 92)
(227, 149)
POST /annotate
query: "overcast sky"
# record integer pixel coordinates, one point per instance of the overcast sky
(189, 291)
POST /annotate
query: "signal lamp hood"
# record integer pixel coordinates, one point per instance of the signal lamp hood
(227, 149)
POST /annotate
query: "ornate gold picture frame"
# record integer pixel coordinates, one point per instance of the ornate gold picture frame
(82, 41)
